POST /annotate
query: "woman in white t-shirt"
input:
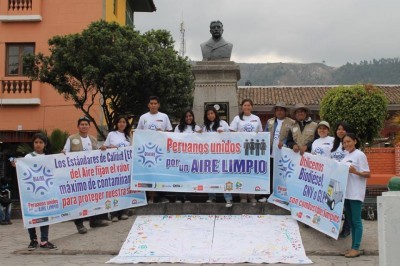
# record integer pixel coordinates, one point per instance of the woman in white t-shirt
(120, 137)
(246, 122)
(40, 148)
(187, 124)
(323, 145)
(338, 153)
(212, 123)
(355, 191)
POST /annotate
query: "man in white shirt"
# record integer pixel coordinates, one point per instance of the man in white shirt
(82, 141)
(155, 120)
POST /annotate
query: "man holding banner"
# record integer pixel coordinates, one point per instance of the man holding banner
(279, 127)
(82, 141)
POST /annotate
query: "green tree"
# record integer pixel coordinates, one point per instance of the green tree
(118, 67)
(362, 106)
(57, 141)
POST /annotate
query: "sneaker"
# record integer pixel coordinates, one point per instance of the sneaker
(33, 245)
(262, 200)
(48, 245)
(210, 201)
(99, 223)
(150, 201)
(3, 223)
(81, 229)
(228, 204)
(114, 219)
(353, 253)
(178, 201)
(243, 201)
(8, 222)
(124, 217)
(164, 200)
(344, 234)
(253, 202)
(187, 201)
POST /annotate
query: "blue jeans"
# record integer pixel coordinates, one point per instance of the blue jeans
(227, 196)
(5, 215)
(44, 233)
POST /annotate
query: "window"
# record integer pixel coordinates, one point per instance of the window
(14, 57)
(115, 7)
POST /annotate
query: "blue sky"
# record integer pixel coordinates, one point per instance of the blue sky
(302, 31)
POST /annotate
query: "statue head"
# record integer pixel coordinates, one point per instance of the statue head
(216, 29)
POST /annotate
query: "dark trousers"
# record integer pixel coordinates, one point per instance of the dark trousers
(44, 233)
(79, 222)
(119, 213)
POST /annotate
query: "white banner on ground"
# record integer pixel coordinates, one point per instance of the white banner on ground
(213, 239)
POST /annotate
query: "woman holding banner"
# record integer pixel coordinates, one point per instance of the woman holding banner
(212, 123)
(120, 137)
(355, 191)
(187, 124)
(338, 153)
(246, 122)
(40, 148)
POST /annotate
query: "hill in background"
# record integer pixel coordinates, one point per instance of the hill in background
(383, 71)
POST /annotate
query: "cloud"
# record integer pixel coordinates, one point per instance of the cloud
(284, 30)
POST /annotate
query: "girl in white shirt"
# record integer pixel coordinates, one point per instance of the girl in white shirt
(338, 153)
(212, 123)
(120, 137)
(355, 191)
(187, 124)
(40, 148)
(323, 145)
(246, 122)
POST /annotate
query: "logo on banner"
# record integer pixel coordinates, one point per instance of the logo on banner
(286, 166)
(228, 186)
(149, 154)
(39, 179)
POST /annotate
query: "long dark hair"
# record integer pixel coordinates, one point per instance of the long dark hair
(337, 140)
(46, 141)
(207, 121)
(182, 123)
(127, 129)
(244, 101)
(353, 137)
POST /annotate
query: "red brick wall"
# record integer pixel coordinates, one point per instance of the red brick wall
(383, 163)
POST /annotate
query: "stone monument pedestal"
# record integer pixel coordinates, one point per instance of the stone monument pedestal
(216, 84)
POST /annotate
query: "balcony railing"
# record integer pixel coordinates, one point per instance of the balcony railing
(20, 10)
(17, 5)
(16, 86)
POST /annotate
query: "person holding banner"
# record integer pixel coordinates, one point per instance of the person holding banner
(302, 134)
(120, 137)
(187, 124)
(323, 145)
(338, 153)
(279, 127)
(82, 141)
(155, 120)
(355, 191)
(212, 123)
(247, 122)
(40, 148)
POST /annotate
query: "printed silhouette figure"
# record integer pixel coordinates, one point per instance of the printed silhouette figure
(263, 147)
(257, 144)
(246, 146)
(252, 147)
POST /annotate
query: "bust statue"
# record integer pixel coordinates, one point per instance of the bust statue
(216, 48)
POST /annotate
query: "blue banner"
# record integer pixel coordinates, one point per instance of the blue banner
(316, 188)
(228, 162)
(56, 188)
(279, 195)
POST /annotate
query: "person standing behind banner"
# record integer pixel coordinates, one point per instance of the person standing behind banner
(323, 145)
(278, 127)
(82, 141)
(155, 120)
(355, 190)
(338, 153)
(302, 134)
(120, 137)
(40, 148)
(212, 123)
(246, 122)
(187, 124)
